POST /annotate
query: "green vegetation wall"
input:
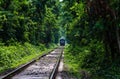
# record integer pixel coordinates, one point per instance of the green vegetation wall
(93, 20)
(93, 26)
(31, 21)
(27, 28)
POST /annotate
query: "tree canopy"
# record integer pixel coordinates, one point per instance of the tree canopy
(91, 28)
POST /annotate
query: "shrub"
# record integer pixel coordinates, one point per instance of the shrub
(13, 56)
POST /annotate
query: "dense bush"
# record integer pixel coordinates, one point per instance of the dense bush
(13, 56)
(92, 60)
(31, 21)
(93, 32)
(28, 21)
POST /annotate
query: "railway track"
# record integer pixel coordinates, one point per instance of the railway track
(45, 67)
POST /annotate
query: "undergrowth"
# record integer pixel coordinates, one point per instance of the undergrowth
(16, 55)
(92, 60)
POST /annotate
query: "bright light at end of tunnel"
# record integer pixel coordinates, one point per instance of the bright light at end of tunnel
(60, 0)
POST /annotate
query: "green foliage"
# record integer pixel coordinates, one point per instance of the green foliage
(92, 60)
(96, 56)
(14, 56)
(31, 21)
(93, 35)
(92, 28)
(28, 21)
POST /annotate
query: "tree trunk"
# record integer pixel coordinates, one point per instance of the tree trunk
(118, 38)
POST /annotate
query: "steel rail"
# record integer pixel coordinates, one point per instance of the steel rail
(21, 68)
(55, 70)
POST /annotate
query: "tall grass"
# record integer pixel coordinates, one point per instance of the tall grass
(16, 55)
